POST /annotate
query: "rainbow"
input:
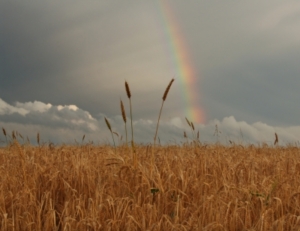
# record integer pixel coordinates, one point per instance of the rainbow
(182, 64)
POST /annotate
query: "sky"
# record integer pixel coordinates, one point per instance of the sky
(63, 65)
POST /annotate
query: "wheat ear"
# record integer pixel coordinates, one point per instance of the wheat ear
(276, 139)
(4, 133)
(109, 127)
(124, 117)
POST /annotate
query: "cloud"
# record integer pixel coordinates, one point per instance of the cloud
(62, 46)
(244, 56)
(65, 124)
(35, 106)
(6, 109)
(255, 133)
(280, 14)
(39, 113)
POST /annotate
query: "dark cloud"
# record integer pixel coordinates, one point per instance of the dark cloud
(80, 53)
(74, 52)
(260, 89)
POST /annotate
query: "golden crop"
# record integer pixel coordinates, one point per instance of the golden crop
(185, 188)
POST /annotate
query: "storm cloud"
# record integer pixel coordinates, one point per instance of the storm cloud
(63, 65)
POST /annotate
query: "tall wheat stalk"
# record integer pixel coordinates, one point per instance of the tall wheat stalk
(192, 127)
(38, 138)
(134, 157)
(109, 127)
(124, 118)
(4, 133)
(162, 104)
(129, 97)
(276, 139)
(156, 131)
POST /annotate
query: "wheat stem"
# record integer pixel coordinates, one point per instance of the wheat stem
(109, 127)
(129, 97)
(124, 118)
(164, 99)
(4, 133)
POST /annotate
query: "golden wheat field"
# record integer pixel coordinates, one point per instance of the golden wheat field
(148, 187)
(209, 187)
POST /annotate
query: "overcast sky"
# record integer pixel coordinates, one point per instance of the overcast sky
(63, 65)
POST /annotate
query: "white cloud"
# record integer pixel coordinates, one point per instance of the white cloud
(65, 124)
(241, 131)
(36, 106)
(6, 109)
(39, 113)
(71, 107)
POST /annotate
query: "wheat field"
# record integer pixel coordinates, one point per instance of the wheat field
(148, 187)
(208, 187)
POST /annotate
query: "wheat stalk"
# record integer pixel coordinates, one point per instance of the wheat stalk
(162, 104)
(167, 90)
(13, 135)
(185, 136)
(127, 90)
(4, 133)
(124, 117)
(129, 97)
(109, 127)
(38, 138)
(276, 139)
(192, 127)
(188, 122)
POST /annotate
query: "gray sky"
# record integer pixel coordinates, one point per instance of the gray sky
(63, 65)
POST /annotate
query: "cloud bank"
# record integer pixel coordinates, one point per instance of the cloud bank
(67, 124)
(245, 56)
